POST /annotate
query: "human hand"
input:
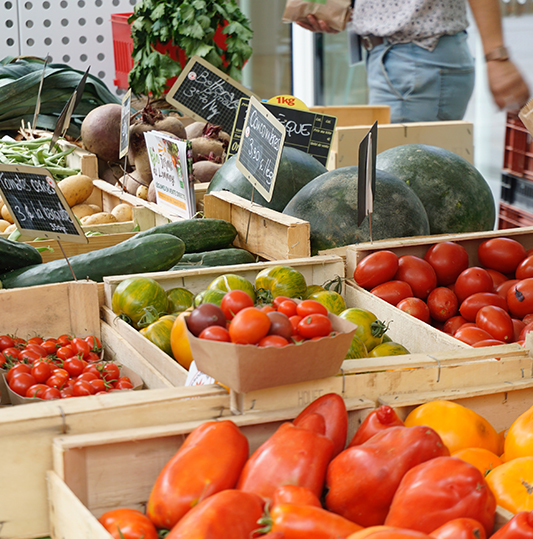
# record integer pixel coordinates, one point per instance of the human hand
(507, 85)
(316, 25)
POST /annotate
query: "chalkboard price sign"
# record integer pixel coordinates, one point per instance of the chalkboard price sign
(207, 94)
(37, 205)
(260, 149)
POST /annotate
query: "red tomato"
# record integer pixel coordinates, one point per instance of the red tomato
(296, 495)
(497, 277)
(393, 291)
(94, 343)
(496, 321)
(18, 367)
(92, 357)
(56, 381)
(82, 388)
(528, 318)
(453, 324)
(520, 298)
(518, 326)
(235, 301)
(110, 372)
(310, 306)
(6, 342)
(123, 384)
(524, 270)
(503, 288)
(295, 320)
(35, 340)
(288, 308)
(128, 524)
(415, 307)
(98, 385)
(273, 340)
(501, 254)
(487, 342)
(418, 273)
(471, 334)
(66, 392)
(65, 352)
(217, 333)
(81, 346)
(89, 376)
(448, 259)
(278, 300)
(314, 325)
(20, 382)
(442, 303)
(460, 528)
(29, 355)
(64, 339)
(472, 280)
(36, 391)
(249, 326)
(281, 325)
(375, 269)
(268, 309)
(50, 345)
(11, 353)
(41, 371)
(473, 303)
(524, 331)
(94, 368)
(51, 393)
(74, 366)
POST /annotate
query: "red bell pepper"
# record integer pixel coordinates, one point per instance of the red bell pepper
(519, 527)
(380, 419)
(362, 480)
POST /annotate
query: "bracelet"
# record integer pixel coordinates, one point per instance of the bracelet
(499, 54)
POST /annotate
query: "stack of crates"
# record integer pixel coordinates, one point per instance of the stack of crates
(516, 197)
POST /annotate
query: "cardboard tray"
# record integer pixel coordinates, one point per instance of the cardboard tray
(246, 368)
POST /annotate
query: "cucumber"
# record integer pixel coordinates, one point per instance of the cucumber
(15, 255)
(218, 257)
(156, 252)
(197, 234)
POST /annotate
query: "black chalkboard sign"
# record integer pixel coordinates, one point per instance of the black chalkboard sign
(307, 131)
(260, 148)
(207, 94)
(37, 205)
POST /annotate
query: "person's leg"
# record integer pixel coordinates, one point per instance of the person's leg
(419, 85)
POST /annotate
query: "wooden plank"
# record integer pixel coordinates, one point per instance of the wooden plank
(262, 231)
(456, 136)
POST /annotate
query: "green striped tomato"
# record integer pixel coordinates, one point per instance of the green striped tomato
(281, 281)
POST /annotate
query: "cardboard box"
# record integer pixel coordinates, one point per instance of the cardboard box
(246, 368)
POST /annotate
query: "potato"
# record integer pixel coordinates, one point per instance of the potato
(95, 207)
(4, 224)
(142, 192)
(76, 189)
(83, 210)
(10, 228)
(122, 213)
(6, 215)
(100, 218)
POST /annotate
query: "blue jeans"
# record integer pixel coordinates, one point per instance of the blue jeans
(421, 85)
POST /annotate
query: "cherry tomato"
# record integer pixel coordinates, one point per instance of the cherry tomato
(95, 368)
(11, 354)
(473, 303)
(415, 307)
(217, 333)
(310, 306)
(288, 308)
(82, 388)
(92, 357)
(503, 288)
(471, 334)
(442, 304)
(448, 259)
(36, 391)
(235, 301)
(94, 343)
(64, 339)
(41, 371)
(295, 320)
(6, 342)
(280, 324)
(29, 355)
(520, 298)
(89, 376)
(273, 340)
(35, 340)
(314, 325)
(453, 324)
(123, 384)
(268, 309)
(56, 381)
(51, 393)
(393, 291)
(472, 280)
(74, 366)
(249, 326)
(375, 269)
(111, 372)
(278, 300)
(81, 347)
(65, 352)
(17, 368)
(97, 384)
(37, 348)
(128, 524)
(496, 321)
(66, 392)
(50, 346)
(501, 254)
(20, 382)
(418, 273)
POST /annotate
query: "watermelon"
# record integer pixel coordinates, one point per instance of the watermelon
(296, 169)
(329, 204)
(455, 195)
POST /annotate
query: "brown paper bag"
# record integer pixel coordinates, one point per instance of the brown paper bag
(335, 12)
(526, 115)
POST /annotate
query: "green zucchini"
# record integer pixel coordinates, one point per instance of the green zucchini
(15, 255)
(198, 234)
(218, 257)
(157, 252)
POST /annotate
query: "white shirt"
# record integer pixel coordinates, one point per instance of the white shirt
(404, 21)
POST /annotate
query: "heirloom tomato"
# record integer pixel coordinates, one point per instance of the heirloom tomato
(314, 325)
(519, 527)
(501, 254)
(127, 523)
(295, 495)
(379, 419)
(519, 438)
(439, 490)
(388, 349)
(483, 459)
(179, 342)
(273, 340)
(203, 316)
(232, 281)
(332, 300)
(214, 296)
(448, 259)
(215, 333)
(249, 326)
(280, 324)
(418, 273)
(388, 532)
(460, 528)
(179, 299)
(375, 269)
(235, 301)
(281, 281)
(369, 330)
(158, 332)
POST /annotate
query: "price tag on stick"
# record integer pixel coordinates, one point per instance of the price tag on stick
(366, 176)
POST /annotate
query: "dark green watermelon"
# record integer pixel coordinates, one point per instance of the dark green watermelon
(456, 196)
(296, 169)
(329, 203)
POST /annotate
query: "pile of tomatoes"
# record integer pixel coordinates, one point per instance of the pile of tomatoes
(486, 304)
(239, 321)
(58, 368)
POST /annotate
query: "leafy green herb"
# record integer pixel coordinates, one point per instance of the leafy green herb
(189, 25)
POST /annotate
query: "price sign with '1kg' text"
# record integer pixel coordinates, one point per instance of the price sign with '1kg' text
(37, 204)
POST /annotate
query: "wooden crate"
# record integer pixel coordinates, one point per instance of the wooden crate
(262, 231)
(456, 136)
(80, 490)
(350, 115)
